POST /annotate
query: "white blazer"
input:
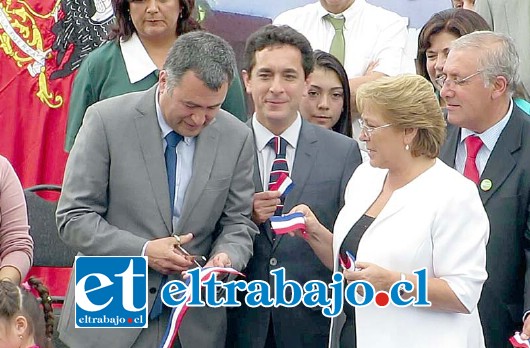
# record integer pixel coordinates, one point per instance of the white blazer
(436, 222)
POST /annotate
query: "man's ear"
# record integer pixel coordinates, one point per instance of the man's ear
(21, 325)
(162, 80)
(246, 80)
(500, 86)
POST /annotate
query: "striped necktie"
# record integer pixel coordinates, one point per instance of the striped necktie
(279, 165)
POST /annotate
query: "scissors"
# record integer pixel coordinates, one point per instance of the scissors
(186, 253)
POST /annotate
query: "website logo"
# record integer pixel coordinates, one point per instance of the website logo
(110, 292)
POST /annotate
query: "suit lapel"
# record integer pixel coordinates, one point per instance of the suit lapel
(448, 152)
(203, 159)
(501, 161)
(150, 140)
(259, 185)
(304, 160)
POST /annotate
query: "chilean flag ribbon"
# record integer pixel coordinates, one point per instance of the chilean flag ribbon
(517, 341)
(284, 184)
(347, 261)
(288, 223)
(178, 312)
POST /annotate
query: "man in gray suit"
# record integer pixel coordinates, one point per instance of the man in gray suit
(320, 162)
(488, 140)
(116, 193)
(511, 17)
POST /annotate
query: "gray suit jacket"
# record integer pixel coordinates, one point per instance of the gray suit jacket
(323, 164)
(115, 198)
(506, 292)
(510, 17)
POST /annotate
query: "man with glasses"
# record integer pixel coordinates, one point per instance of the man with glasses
(489, 142)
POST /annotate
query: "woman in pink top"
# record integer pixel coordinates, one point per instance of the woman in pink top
(16, 245)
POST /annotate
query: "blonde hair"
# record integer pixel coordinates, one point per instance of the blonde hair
(407, 101)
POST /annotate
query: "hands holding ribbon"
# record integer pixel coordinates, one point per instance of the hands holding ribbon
(264, 205)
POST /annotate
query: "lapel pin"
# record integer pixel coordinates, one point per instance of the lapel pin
(486, 184)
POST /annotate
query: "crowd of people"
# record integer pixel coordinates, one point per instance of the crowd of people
(405, 170)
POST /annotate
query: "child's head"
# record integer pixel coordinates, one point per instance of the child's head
(22, 323)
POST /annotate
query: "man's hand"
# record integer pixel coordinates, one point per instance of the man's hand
(264, 205)
(164, 257)
(219, 260)
(525, 334)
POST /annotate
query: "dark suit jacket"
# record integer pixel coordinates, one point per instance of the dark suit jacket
(506, 293)
(323, 165)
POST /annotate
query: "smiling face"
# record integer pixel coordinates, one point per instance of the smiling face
(276, 84)
(469, 103)
(324, 100)
(155, 19)
(436, 54)
(190, 106)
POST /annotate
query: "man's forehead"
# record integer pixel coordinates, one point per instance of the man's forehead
(461, 59)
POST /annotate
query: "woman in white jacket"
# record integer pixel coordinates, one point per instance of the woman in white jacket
(406, 210)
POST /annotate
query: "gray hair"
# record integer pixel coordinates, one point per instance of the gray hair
(210, 57)
(497, 56)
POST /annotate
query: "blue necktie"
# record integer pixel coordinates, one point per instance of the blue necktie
(279, 165)
(172, 140)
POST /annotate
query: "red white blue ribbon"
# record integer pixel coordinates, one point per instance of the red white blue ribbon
(178, 312)
(288, 223)
(517, 341)
(347, 261)
(284, 184)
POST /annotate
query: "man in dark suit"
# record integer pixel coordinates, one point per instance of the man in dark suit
(489, 141)
(320, 162)
(123, 195)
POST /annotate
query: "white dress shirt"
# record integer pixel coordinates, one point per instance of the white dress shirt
(266, 154)
(489, 138)
(185, 151)
(371, 34)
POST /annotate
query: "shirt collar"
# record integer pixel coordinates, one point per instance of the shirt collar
(263, 135)
(349, 14)
(164, 127)
(491, 135)
(137, 62)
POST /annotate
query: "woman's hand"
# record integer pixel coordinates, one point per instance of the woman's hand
(380, 278)
(312, 226)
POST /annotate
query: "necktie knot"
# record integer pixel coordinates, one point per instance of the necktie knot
(473, 145)
(173, 138)
(338, 43)
(337, 23)
(279, 145)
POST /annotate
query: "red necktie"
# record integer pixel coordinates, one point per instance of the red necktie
(473, 145)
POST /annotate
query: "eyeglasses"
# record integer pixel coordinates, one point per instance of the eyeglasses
(442, 80)
(367, 130)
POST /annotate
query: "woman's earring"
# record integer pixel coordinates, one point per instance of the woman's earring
(20, 336)
(407, 147)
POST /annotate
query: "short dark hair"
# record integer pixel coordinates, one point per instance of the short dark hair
(210, 57)
(272, 36)
(456, 21)
(328, 61)
(123, 27)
